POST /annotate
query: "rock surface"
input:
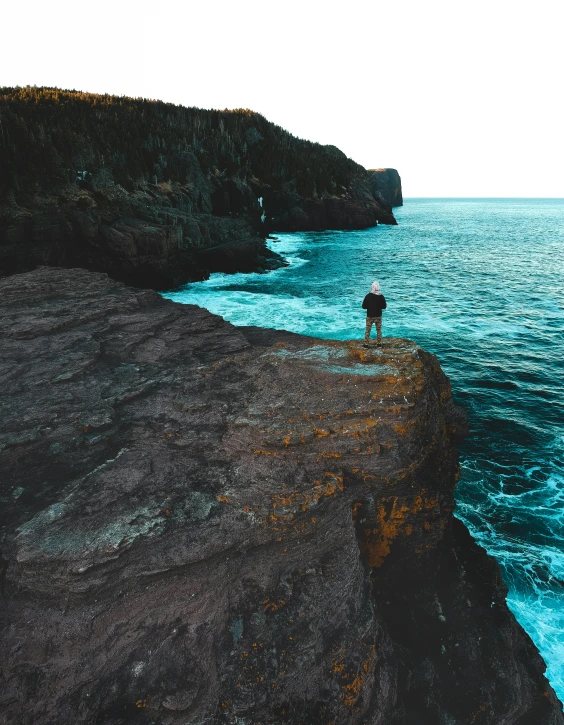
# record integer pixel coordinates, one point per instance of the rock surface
(211, 524)
(387, 183)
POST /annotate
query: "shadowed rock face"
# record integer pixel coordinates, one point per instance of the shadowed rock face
(363, 206)
(386, 183)
(211, 524)
(155, 236)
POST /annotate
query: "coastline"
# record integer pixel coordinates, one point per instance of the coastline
(195, 478)
(504, 364)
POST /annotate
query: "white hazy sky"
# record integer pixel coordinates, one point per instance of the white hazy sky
(464, 99)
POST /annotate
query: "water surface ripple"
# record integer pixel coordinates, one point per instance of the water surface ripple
(480, 284)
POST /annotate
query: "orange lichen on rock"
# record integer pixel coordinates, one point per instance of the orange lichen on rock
(445, 395)
(352, 682)
(390, 523)
(337, 666)
(273, 605)
(401, 428)
(286, 500)
(420, 502)
(360, 429)
(379, 539)
(352, 690)
(303, 500)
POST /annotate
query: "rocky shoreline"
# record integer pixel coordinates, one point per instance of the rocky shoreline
(157, 195)
(158, 236)
(151, 237)
(205, 523)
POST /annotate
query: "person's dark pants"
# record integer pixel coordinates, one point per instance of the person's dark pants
(373, 321)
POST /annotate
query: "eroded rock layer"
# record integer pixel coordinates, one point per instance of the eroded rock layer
(221, 525)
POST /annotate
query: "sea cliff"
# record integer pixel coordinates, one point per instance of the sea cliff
(214, 524)
(387, 184)
(156, 194)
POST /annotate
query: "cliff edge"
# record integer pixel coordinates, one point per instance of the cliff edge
(211, 524)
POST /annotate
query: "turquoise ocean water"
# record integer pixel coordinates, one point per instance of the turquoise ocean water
(480, 283)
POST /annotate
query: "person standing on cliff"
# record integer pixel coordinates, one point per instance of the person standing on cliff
(374, 303)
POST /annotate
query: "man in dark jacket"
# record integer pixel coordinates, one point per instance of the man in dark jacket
(374, 303)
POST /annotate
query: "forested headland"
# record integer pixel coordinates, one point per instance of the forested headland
(156, 193)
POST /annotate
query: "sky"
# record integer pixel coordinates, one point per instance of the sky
(464, 99)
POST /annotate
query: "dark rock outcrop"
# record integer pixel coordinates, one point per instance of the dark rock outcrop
(156, 194)
(361, 208)
(152, 237)
(386, 184)
(211, 524)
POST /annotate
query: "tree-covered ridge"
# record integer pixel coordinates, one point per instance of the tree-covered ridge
(156, 194)
(50, 136)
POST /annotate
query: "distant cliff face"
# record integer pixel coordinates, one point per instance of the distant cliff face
(154, 236)
(387, 183)
(157, 194)
(211, 524)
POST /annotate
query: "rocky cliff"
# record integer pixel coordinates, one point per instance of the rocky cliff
(157, 194)
(386, 184)
(149, 237)
(211, 524)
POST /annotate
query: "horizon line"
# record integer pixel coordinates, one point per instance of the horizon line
(548, 198)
